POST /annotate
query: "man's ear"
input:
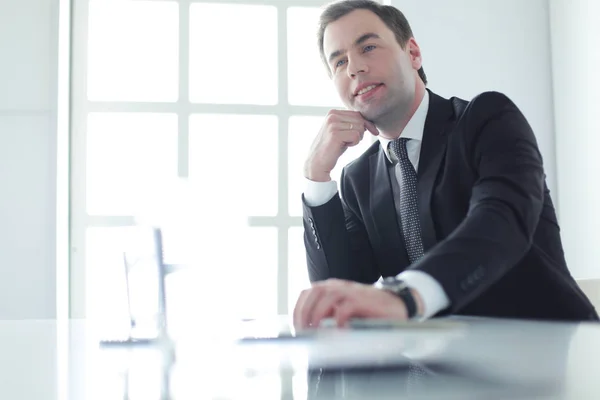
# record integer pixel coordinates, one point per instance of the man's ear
(415, 53)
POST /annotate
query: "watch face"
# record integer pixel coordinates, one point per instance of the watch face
(392, 283)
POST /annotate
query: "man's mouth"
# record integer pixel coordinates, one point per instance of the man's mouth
(367, 89)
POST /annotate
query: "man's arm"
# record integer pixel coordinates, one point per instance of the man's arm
(505, 204)
(336, 242)
(428, 293)
(335, 238)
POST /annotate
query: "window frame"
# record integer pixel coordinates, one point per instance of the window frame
(81, 106)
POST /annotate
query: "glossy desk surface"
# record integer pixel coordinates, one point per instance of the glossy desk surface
(444, 359)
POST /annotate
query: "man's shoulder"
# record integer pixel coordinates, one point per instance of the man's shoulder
(484, 104)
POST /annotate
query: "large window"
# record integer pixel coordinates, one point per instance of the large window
(224, 96)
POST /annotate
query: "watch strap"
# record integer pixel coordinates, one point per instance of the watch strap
(400, 289)
(409, 301)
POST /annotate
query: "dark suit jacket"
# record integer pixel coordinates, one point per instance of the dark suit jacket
(489, 229)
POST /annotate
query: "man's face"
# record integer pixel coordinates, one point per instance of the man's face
(371, 72)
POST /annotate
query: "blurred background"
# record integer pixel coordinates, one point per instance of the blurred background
(197, 116)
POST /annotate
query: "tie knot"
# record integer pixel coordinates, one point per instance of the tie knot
(399, 148)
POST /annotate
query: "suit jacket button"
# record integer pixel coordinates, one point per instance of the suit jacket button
(480, 272)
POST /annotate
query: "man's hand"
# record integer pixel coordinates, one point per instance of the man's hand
(340, 130)
(343, 300)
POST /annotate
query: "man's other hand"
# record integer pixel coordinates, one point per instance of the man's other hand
(343, 300)
(340, 130)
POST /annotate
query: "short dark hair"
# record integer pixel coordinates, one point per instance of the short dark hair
(391, 16)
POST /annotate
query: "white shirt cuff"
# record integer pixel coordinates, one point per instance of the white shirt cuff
(433, 295)
(318, 193)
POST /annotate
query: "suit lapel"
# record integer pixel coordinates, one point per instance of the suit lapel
(384, 212)
(433, 149)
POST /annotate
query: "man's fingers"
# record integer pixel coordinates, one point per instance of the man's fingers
(349, 137)
(371, 127)
(352, 120)
(310, 302)
(355, 307)
(299, 306)
(344, 311)
(348, 126)
(346, 113)
(326, 307)
(354, 139)
(360, 125)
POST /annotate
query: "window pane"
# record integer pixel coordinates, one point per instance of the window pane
(145, 376)
(234, 274)
(248, 254)
(233, 54)
(127, 155)
(105, 281)
(133, 51)
(309, 83)
(302, 131)
(297, 267)
(235, 158)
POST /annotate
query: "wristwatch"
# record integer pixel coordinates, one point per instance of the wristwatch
(400, 289)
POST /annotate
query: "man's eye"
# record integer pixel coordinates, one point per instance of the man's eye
(369, 47)
(339, 63)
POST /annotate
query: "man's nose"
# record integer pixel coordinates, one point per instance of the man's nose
(356, 67)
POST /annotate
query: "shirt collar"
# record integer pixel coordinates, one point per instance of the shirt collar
(413, 130)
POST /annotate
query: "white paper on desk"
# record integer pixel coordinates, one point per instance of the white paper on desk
(380, 323)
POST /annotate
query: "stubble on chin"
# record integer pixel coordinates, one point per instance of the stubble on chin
(373, 114)
(365, 111)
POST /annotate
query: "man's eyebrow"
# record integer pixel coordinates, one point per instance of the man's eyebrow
(365, 37)
(361, 39)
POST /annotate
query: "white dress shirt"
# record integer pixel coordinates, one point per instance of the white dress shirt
(318, 193)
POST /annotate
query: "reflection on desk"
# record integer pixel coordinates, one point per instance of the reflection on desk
(464, 358)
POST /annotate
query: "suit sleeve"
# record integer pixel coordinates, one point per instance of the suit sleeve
(336, 241)
(505, 203)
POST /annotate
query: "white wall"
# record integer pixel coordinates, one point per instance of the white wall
(545, 55)
(576, 68)
(28, 65)
(471, 46)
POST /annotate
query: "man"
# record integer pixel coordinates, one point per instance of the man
(450, 205)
